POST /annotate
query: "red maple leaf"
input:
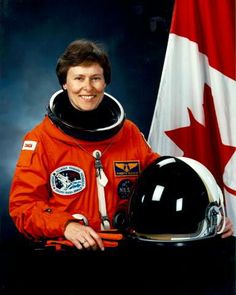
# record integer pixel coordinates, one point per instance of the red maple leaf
(203, 142)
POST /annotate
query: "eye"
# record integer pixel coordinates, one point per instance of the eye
(79, 78)
(96, 78)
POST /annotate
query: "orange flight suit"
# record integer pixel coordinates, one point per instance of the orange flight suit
(55, 177)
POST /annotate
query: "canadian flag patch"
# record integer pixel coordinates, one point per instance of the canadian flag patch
(29, 145)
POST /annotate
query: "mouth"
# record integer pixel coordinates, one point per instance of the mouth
(87, 97)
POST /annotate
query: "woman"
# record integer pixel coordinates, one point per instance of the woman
(77, 166)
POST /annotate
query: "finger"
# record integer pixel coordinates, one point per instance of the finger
(87, 245)
(227, 233)
(90, 242)
(77, 244)
(228, 230)
(98, 240)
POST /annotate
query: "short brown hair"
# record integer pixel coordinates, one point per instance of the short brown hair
(79, 52)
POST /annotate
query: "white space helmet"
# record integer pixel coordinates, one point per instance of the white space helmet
(176, 199)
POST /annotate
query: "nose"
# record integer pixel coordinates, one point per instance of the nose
(87, 85)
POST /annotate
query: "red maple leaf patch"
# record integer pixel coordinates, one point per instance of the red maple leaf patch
(203, 142)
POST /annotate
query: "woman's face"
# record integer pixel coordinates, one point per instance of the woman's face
(85, 86)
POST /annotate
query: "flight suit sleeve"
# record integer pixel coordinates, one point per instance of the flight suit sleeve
(30, 194)
(144, 150)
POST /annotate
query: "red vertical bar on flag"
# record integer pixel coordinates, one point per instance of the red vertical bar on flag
(195, 110)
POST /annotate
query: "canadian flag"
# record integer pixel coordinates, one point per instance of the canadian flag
(195, 112)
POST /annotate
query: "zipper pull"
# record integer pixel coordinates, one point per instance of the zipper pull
(98, 163)
(101, 177)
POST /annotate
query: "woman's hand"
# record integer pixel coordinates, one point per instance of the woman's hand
(83, 237)
(228, 231)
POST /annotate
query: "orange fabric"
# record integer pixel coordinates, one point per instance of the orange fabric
(110, 240)
(39, 206)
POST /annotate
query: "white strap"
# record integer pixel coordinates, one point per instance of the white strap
(81, 217)
(101, 183)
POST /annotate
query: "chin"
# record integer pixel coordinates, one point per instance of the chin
(87, 109)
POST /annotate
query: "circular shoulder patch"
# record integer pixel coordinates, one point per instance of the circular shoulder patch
(67, 180)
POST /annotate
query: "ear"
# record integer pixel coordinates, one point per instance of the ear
(64, 86)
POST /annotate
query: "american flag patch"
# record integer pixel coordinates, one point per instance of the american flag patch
(29, 145)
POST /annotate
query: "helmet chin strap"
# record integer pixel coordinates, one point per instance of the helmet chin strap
(101, 183)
